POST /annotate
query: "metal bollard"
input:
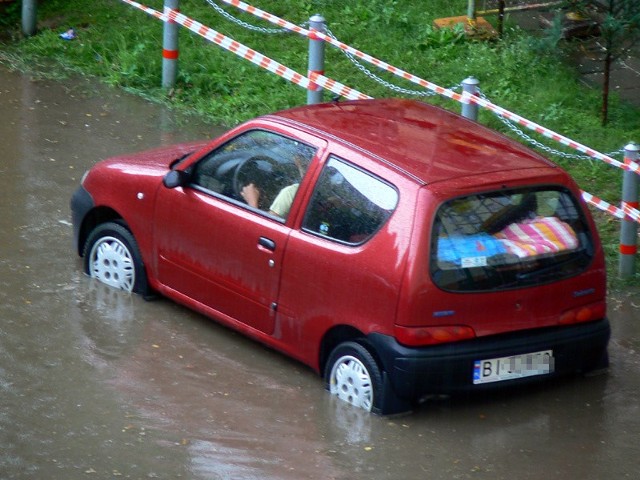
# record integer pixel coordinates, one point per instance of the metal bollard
(470, 109)
(316, 58)
(471, 13)
(629, 227)
(29, 17)
(170, 47)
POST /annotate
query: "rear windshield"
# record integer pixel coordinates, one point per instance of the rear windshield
(509, 239)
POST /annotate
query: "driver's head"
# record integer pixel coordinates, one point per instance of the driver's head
(302, 157)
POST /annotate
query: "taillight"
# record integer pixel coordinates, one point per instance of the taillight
(418, 336)
(587, 313)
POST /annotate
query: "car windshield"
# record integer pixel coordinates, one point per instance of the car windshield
(509, 239)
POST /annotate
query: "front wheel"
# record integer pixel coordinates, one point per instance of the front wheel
(111, 256)
(353, 375)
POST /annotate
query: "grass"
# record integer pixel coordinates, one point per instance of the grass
(121, 46)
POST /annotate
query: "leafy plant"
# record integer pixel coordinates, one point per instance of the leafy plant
(433, 37)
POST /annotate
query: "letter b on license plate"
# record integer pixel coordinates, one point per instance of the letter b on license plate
(516, 366)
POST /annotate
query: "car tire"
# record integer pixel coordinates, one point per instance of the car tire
(111, 256)
(353, 375)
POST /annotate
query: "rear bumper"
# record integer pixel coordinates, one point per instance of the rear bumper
(448, 368)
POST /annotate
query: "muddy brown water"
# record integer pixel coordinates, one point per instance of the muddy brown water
(95, 383)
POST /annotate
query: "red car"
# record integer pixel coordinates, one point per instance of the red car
(394, 247)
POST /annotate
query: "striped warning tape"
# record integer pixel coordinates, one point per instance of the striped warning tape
(632, 166)
(631, 211)
(627, 211)
(249, 54)
(148, 10)
(463, 97)
(602, 205)
(315, 35)
(347, 92)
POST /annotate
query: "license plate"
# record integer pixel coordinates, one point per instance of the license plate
(516, 366)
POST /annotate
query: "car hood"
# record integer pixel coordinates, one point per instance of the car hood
(150, 162)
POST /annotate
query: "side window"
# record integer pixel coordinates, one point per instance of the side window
(348, 204)
(259, 168)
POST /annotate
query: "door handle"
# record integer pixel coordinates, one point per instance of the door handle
(267, 243)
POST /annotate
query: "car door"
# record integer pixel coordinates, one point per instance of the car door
(215, 250)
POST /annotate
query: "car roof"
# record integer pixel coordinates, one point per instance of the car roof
(427, 142)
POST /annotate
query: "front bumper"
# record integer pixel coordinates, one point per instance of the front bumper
(448, 368)
(81, 203)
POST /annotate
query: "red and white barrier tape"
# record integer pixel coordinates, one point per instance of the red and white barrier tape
(347, 92)
(145, 9)
(631, 212)
(602, 205)
(265, 62)
(460, 97)
(625, 212)
(249, 54)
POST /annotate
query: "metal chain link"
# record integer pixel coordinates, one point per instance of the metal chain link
(381, 81)
(405, 91)
(246, 25)
(359, 66)
(546, 148)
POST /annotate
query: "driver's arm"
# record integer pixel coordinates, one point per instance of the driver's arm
(251, 194)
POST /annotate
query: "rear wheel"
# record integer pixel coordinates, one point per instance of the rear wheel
(353, 375)
(111, 256)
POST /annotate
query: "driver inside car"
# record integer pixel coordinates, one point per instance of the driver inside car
(282, 203)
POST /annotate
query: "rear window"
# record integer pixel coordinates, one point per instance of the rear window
(509, 239)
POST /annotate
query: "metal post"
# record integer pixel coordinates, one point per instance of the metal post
(170, 47)
(501, 7)
(29, 17)
(316, 58)
(628, 227)
(471, 13)
(470, 109)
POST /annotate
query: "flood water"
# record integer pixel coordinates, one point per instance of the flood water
(96, 383)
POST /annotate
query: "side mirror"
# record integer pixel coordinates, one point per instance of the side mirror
(175, 178)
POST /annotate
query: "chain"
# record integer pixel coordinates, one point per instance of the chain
(405, 91)
(546, 148)
(246, 25)
(376, 78)
(358, 65)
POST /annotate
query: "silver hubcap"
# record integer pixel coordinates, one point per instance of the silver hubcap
(351, 382)
(112, 263)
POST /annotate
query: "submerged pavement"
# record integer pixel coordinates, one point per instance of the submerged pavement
(99, 384)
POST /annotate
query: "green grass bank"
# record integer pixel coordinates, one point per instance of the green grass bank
(121, 46)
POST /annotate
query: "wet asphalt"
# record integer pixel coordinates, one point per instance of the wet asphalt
(98, 384)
